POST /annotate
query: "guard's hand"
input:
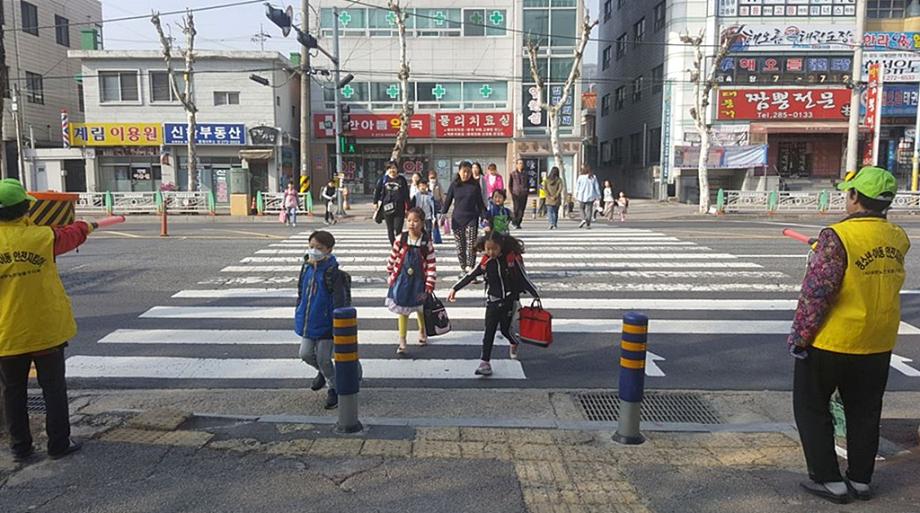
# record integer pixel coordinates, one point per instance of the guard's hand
(452, 296)
(90, 224)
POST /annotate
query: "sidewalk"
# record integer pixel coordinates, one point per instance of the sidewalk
(433, 450)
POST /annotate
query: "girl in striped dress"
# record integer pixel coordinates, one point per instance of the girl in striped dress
(411, 275)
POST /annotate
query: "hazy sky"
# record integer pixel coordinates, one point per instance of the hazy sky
(222, 29)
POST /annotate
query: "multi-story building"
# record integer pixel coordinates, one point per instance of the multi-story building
(135, 131)
(470, 84)
(37, 34)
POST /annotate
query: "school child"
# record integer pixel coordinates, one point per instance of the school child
(503, 268)
(424, 200)
(329, 196)
(622, 205)
(321, 288)
(609, 200)
(498, 216)
(411, 275)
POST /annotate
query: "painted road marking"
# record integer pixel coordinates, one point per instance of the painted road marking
(259, 368)
(651, 368)
(802, 256)
(591, 246)
(379, 277)
(562, 259)
(275, 337)
(293, 269)
(384, 252)
(537, 242)
(899, 363)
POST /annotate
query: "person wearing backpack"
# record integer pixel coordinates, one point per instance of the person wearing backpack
(411, 275)
(321, 288)
(391, 197)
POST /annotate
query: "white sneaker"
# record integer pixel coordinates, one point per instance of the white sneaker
(582, 224)
(485, 369)
(513, 352)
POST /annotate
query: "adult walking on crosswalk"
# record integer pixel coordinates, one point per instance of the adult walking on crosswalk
(465, 195)
(391, 199)
(587, 191)
(844, 330)
(555, 191)
(411, 275)
(519, 187)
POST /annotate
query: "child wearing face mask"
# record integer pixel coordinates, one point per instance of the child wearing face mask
(411, 275)
(321, 288)
(503, 269)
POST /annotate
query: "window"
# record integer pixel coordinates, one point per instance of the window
(550, 18)
(637, 89)
(81, 102)
(62, 30)
(635, 148)
(886, 8)
(659, 16)
(605, 60)
(484, 22)
(226, 98)
(638, 32)
(5, 85)
(29, 18)
(118, 86)
(2, 15)
(277, 99)
(605, 105)
(35, 90)
(605, 152)
(608, 8)
(621, 46)
(619, 98)
(653, 149)
(438, 22)
(160, 91)
(618, 150)
(657, 79)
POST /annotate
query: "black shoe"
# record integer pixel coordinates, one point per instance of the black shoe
(72, 448)
(862, 495)
(819, 490)
(22, 456)
(332, 399)
(318, 382)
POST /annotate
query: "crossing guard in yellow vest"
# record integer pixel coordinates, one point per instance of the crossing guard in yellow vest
(844, 330)
(36, 320)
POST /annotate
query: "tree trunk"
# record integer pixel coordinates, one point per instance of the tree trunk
(703, 170)
(554, 140)
(192, 164)
(405, 114)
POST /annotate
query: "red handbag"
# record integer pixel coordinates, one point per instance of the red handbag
(536, 325)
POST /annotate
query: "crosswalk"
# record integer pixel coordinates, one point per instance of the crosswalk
(236, 326)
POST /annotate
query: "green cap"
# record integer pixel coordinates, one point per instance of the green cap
(12, 193)
(872, 182)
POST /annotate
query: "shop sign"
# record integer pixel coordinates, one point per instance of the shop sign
(783, 104)
(116, 134)
(474, 124)
(898, 66)
(760, 37)
(784, 70)
(263, 136)
(534, 115)
(206, 134)
(789, 8)
(373, 125)
(722, 157)
(905, 41)
(873, 92)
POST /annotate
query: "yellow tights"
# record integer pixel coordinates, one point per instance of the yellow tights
(404, 326)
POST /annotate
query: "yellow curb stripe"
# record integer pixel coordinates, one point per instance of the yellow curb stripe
(346, 357)
(632, 364)
(635, 329)
(632, 346)
(344, 323)
(345, 340)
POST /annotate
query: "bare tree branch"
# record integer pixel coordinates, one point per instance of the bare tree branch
(405, 114)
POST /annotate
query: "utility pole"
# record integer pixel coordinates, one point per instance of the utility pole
(260, 38)
(306, 162)
(338, 113)
(853, 129)
(17, 118)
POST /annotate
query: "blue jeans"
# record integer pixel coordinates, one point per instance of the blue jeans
(552, 212)
(292, 215)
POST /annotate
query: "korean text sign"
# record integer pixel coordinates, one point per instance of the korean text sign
(783, 104)
(206, 133)
(373, 125)
(116, 134)
(474, 124)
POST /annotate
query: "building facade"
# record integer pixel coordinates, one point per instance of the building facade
(470, 84)
(37, 36)
(135, 134)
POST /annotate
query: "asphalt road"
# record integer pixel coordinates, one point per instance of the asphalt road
(719, 292)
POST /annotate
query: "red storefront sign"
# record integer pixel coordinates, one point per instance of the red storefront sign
(873, 112)
(783, 104)
(474, 124)
(372, 125)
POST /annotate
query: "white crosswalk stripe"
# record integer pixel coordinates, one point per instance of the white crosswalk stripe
(585, 279)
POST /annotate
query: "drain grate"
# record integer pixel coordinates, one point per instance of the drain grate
(656, 407)
(36, 404)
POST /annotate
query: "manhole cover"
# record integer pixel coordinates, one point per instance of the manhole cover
(36, 404)
(656, 407)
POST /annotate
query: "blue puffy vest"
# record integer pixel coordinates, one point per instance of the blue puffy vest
(314, 311)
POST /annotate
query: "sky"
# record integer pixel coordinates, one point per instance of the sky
(222, 29)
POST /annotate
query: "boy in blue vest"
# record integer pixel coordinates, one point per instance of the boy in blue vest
(321, 289)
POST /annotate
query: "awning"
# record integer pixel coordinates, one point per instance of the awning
(824, 127)
(260, 154)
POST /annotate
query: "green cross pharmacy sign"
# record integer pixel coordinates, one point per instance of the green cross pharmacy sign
(438, 91)
(393, 91)
(344, 18)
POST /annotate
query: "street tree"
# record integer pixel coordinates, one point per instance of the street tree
(704, 81)
(5, 83)
(186, 95)
(553, 110)
(406, 109)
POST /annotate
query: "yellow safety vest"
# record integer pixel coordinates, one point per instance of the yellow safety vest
(542, 192)
(866, 313)
(35, 312)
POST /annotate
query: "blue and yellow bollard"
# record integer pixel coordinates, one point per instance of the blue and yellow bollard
(347, 369)
(632, 378)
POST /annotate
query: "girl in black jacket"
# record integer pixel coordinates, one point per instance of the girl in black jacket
(467, 194)
(392, 196)
(503, 268)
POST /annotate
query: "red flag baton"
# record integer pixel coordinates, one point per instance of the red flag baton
(792, 234)
(108, 221)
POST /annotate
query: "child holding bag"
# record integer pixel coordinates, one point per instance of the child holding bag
(411, 275)
(502, 266)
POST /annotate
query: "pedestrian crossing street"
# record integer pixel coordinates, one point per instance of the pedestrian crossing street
(236, 326)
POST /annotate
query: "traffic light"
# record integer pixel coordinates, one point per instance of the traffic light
(283, 18)
(348, 145)
(345, 117)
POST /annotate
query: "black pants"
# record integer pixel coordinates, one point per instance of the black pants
(394, 227)
(861, 380)
(498, 317)
(14, 373)
(520, 205)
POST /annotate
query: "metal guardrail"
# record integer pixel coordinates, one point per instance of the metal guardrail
(273, 203)
(771, 202)
(91, 203)
(198, 202)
